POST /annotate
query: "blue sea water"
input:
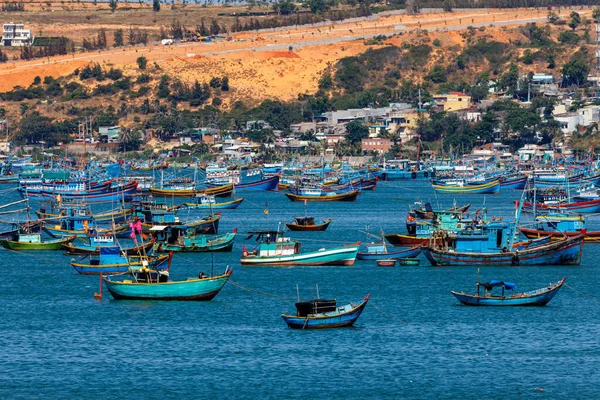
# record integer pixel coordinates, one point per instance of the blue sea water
(56, 341)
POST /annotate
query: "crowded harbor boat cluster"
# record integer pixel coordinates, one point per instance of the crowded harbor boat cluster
(127, 222)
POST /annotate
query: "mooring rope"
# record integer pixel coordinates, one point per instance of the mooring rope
(583, 294)
(387, 315)
(281, 298)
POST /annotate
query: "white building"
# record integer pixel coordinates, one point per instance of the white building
(16, 35)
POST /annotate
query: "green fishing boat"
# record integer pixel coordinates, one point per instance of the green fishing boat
(33, 241)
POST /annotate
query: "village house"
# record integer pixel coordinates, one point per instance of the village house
(379, 145)
(452, 101)
(16, 35)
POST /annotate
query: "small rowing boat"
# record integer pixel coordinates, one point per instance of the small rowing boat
(539, 297)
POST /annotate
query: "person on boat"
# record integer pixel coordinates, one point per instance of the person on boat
(201, 275)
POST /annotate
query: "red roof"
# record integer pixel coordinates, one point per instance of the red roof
(458, 93)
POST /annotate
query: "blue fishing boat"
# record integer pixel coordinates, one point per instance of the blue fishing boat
(96, 241)
(321, 314)
(271, 183)
(153, 286)
(111, 260)
(514, 183)
(539, 297)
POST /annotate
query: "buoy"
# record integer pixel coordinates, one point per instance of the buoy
(539, 389)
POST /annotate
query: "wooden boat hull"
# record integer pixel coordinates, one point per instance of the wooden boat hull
(539, 297)
(219, 191)
(492, 187)
(111, 269)
(209, 226)
(327, 320)
(350, 196)
(309, 228)
(191, 290)
(514, 184)
(398, 240)
(24, 246)
(408, 253)
(340, 256)
(588, 237)
(226, 205)
(59, 233)
(565, 252)
(262, 185)
(584, 207)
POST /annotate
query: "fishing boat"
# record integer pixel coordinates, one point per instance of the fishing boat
(379, 251)
(492, 187)
(275, 250)
(320, 196)
(490, 248)
(386, 262)
(271, 183)
(583, 207)
(78, 225)
(539, 297)
(65, 210)
(218, 191)
(195, 243)
(307, 223)
(514, 183)
(148, 286)
(209, 202)
(111, 260)
(96, 241)
(321, 314)
(33, 241)
(557, 226)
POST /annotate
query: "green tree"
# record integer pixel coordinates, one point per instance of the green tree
(118, 37)
(37, 80)
(527, 57)
(225, 84)
(284, 7)
(596, 15)
(113, 5)
(356, 131)
(214, 27)
(142, 62)
(317, 6)
(129, 140)
(437, 74)
(156, 5)
(163, 87)
(575, 72)
(575, 20)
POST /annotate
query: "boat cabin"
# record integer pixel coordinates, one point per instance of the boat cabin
(304, 221)
(318, 306)
(560, 223)
(491, 238)
(275, 244)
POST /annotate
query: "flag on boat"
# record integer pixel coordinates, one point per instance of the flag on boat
(266, 208)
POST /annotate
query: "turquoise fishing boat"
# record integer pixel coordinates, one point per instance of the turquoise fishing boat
(79, 226)
(149, 286)
(275, 250)
(195, 243)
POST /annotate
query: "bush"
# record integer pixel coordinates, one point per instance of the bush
(437, 43)
(114, 74)
(142, 62)
(569, 37)
(143, 78)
